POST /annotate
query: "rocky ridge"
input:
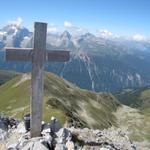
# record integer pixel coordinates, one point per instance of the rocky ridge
(52, 137)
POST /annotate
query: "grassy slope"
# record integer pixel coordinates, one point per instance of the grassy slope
(136, 123)
(137, 118)
(61, 99)
(139, 98)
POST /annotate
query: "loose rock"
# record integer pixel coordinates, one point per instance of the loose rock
(53, 138)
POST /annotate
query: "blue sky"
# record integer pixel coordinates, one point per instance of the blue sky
(121, 17)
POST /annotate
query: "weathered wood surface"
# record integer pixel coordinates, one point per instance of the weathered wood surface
(37, 78)
(17, 54)
(57, 55)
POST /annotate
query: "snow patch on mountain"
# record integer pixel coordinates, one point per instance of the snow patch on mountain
(25, 41)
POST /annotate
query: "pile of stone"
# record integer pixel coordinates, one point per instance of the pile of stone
(107, 139)
(55, 138)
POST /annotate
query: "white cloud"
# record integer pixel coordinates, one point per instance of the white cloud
(80, 30)
(105, 33)
(68, 24)
(1, 33)
(52, 29)
(16, 22)
(139, 37)
(75, 30)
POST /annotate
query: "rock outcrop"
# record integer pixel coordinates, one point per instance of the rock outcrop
(66, 139)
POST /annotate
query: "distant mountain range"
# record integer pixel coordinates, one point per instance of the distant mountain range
(96, 63)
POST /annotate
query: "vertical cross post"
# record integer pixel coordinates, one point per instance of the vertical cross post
(37, 77)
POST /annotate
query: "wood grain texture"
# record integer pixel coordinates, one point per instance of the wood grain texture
(37, 78)
(57, 55)
(14, 54)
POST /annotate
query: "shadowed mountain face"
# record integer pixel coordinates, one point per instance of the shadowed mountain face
(96, 63)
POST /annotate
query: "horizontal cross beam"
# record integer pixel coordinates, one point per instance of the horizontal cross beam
(20, 54)
(57, 55)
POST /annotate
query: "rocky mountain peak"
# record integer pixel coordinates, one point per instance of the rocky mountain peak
(88, 35)
(65, 35)
(10, 29)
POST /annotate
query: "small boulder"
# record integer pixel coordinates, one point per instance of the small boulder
(60, 146)
(63, 135)
(35, 146)
(70, 145)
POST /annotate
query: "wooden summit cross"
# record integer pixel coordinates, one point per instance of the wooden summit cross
(38, 55)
